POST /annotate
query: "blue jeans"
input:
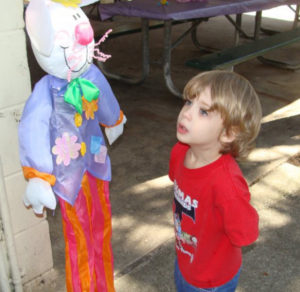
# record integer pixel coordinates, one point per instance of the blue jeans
(183, 286)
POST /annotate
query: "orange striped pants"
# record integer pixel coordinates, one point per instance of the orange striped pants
(87, 233)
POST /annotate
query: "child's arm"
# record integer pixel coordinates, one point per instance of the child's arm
(240, 221)
(177, 151)
(171, 163)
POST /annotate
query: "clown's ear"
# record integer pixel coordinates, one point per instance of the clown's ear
(39, 26)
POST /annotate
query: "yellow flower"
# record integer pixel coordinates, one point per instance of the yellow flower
(78, 120)
(83, 149)
(89, 108)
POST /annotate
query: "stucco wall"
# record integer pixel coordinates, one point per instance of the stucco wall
(31, 233)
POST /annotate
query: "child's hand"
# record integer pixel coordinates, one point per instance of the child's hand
(39, 194)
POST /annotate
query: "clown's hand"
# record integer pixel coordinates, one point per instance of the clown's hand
(39, 194)
(113, 133)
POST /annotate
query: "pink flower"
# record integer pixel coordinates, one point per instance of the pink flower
(66, 149)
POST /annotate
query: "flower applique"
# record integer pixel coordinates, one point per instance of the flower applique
(99, 150)
(89, 107)
(100, 157)
(66, 149)
(83, 149)
(78, 120)
(163, 2)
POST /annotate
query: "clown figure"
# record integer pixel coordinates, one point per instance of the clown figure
(62, 149)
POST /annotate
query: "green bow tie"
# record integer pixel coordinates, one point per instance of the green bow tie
(80, 87)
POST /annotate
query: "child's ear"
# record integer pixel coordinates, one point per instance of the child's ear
(228, 136)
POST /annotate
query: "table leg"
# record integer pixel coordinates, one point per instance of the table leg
(269, 61)
(238, 20)
(195, 40)
(296, 20)
(167, 58)
(145, 60)
(238, 27)
(257, 27)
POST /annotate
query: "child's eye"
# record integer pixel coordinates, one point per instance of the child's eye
(187, 102)
(203, 112)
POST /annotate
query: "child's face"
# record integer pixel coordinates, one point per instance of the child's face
(196, 126)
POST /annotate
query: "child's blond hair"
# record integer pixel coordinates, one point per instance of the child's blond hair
(237, 102)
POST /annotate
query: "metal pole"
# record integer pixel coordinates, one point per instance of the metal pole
(258, 17)
(296, 20)
(167, 58)
(238, 26)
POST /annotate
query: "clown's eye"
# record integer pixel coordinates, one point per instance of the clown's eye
(76, 16)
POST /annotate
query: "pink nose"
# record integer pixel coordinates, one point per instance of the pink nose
(84, 33)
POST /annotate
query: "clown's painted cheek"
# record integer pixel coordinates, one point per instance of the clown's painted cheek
(63, 39)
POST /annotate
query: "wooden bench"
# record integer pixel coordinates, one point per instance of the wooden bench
(236, 55)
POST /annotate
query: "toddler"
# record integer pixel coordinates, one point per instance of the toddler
(212, 215)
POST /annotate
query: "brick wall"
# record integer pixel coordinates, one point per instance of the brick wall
(31, 233)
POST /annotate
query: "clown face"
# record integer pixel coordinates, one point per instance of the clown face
(62, 38)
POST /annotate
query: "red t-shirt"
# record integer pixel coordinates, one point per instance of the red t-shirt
(213, 218)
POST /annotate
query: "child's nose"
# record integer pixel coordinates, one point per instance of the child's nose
(84, 33)
(188, 112)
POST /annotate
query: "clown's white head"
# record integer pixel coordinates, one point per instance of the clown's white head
(61, 36)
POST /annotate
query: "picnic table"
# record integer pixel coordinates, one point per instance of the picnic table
(194, 12)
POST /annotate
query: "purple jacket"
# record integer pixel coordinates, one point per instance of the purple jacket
(47, 119)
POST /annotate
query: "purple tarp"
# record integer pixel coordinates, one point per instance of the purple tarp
(152, 9)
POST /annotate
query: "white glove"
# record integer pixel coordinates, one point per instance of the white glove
(113, 133)
(39, 194)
